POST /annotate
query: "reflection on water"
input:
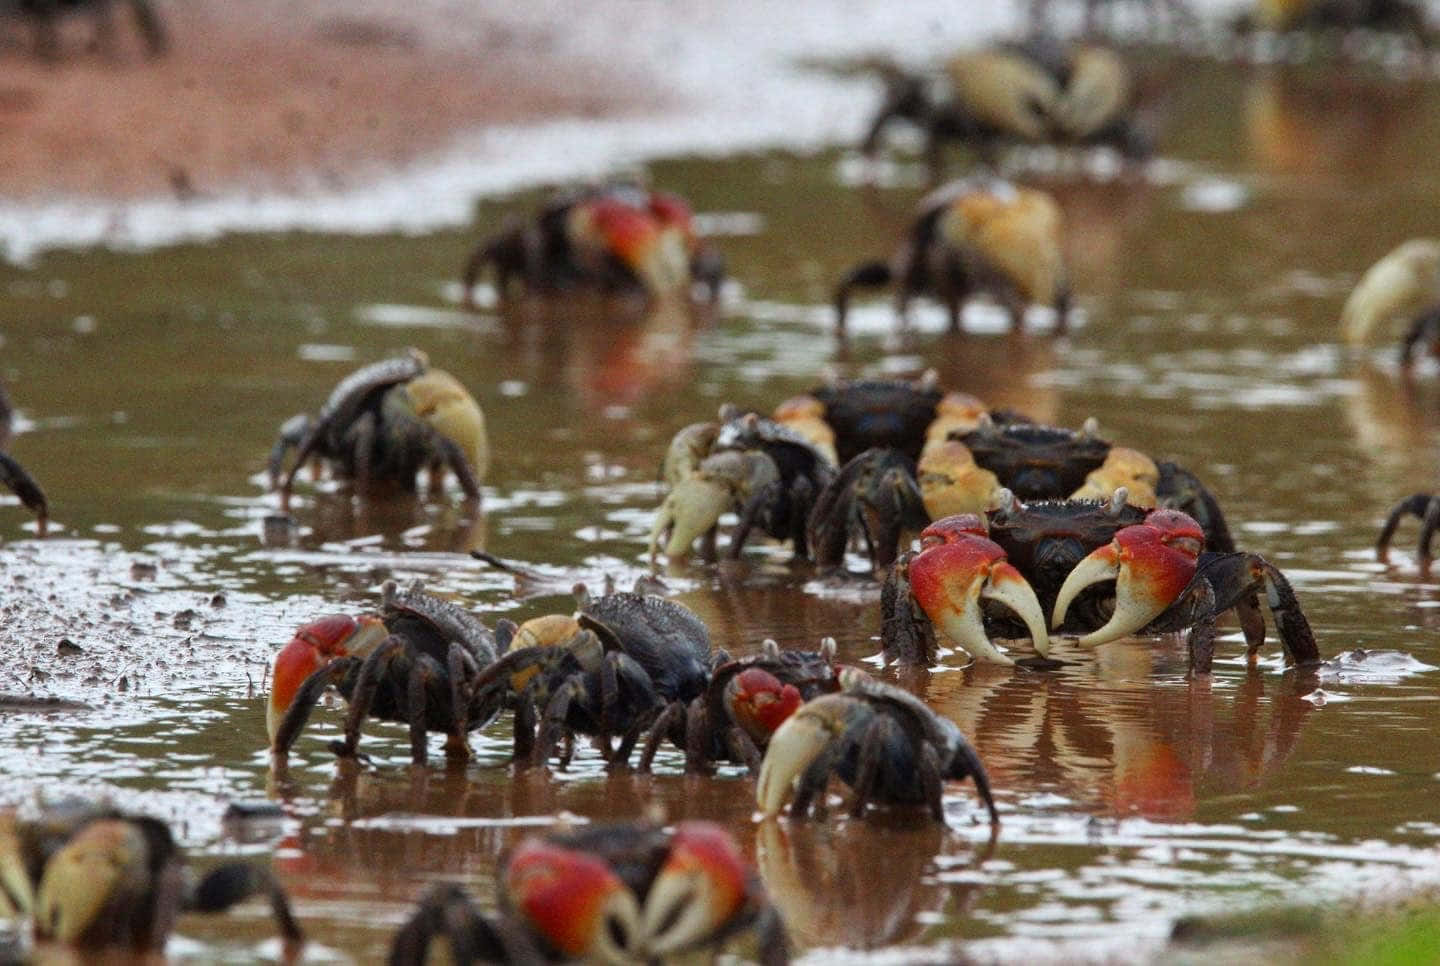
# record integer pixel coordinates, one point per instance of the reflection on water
(1128, 794)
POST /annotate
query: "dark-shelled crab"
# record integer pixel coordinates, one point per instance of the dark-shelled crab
(1061, 557)
(606, 672)
(45, 16)
(415, 662)
(14, 476)
(964, 456)
(1038, 91)
(616, 237)
(974, 236)
(107, 884)
(762, 469)
(743, 704)
(638, 893)
(881, 740)
(383, 424)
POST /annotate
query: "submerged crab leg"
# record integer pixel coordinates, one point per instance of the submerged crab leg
(1426, 508)
(1151, 564)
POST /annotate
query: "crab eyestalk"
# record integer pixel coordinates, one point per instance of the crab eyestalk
(575, 901)
(1151, 563)
(315, 645)
(700, 888)
(956, 569)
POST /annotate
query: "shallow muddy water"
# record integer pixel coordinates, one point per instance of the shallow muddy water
(150, 387)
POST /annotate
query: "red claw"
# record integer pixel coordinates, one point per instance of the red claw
(759, 702)
(956, 567)
(701, 888)
(314, 645)
(573, 899)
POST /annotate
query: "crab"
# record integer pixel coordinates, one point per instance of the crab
(616, 237)
(15, 477)
(414, 662)
(1037, 92)
(882, 741)
(1176, 12)
(384, 423)
(1401, 16)
(973, 236)
(742, 705)
(1048, 557)
(924, 454)
(638, 893)
(762, 469)
(105, 883)
(45, 16)
(1404, 286)
(609, 670)
(1425, 507)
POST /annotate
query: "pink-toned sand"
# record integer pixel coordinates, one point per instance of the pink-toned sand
(277, 94)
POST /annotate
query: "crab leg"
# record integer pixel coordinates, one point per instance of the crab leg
(1151, 564)
(23, 485)
(950, 580)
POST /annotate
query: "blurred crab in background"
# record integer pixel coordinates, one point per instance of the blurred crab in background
(1425, 507)
(383, 424)
(1397, 16)
(743, 704)
(415, 662)
(1403, 286)
(760, 468)
(1039, 91)
(107, 884)
(614, 238)
(15, 477)
(881, 740)
(45, 17)
(609, 670)
(1101, 570)
(1174, 14)
(622, 893)
(973, 236)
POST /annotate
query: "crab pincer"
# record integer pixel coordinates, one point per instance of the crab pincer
(956, 569)
(1151, 563)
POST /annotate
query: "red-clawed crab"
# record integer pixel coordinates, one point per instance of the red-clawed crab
(607, 671)
(978, 235)
(415, 662)
(109, 886)
(1068, 552)
(386, 422)
(914, 453)
(618, 237)
(881, 740)
(14, 476)
(762, 469)
(745, 701)
(1039, 91)
(625, 893)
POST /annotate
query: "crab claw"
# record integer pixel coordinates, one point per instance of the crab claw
(700, 888)
(956, 568)
(1129, 468)
(952, 482)
(16, 893)
(314, 645)
(575, 901)
(689, 511)
(104, 865)
(794, 746)
(759, 702)
(1150, 563)
(657, 253)
(440, 399)
(1403, 283)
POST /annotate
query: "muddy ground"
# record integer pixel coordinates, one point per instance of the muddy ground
(272, 95)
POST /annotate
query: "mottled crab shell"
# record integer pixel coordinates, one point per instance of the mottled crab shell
(665, 637)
